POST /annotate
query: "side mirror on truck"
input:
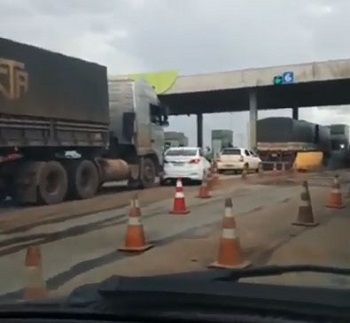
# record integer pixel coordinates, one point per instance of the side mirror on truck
(128, 125)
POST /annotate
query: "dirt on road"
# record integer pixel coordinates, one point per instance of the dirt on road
(31, 216)
(267, 236)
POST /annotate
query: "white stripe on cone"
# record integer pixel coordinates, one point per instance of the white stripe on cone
(134, 221)
(179, 195)
(228, 213)
(229, 234)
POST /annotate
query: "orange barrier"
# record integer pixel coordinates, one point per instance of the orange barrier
(230, 254)
(335, 200)
(179, 206)
(35, 285)
(135, 240)
(305, 215)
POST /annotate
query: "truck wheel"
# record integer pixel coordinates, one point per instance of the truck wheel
(83, 179)
(148, 173)
(52, 183)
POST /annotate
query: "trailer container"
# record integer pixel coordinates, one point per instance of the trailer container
(279, 139)
(58, 139)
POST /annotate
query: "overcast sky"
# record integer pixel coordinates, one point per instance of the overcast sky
(194, 36)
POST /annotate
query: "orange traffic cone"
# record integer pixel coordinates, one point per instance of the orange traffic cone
(179, 206)
(35, 286)
(135, 206)
(335, 200)
(203, 190)
(135, 236)
(230, 253)
(305, 213)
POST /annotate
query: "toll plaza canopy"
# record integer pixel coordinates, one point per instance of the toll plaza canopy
(311, 84)
(292, 86)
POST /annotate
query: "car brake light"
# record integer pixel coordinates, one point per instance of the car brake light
(195, 161)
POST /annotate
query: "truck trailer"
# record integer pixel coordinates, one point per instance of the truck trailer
(279, 139)
(52, 105)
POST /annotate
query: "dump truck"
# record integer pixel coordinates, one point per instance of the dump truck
(66, 128)
(279, 139)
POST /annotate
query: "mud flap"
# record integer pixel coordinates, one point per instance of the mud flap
(25, 190)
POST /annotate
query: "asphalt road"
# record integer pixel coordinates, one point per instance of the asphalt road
(72, 247)
(83, 250)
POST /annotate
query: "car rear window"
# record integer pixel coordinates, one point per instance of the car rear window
(181, 152)
(231, 152)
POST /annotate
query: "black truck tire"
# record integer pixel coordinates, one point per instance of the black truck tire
(52, 183)
(83, 179)
(149, 174)
(146, 175)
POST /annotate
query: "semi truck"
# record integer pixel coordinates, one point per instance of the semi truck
(175, 139)
(52, 105)
(279, 139)
(340, 136)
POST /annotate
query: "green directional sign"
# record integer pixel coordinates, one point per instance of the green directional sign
(277, 80)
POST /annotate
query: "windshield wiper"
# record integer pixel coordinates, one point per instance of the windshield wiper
(274, 270)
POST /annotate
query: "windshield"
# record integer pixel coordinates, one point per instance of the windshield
(126, 125)
(231, 152)
(181, 152)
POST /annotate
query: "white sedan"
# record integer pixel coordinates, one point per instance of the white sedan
(236, 159)
(187, 163)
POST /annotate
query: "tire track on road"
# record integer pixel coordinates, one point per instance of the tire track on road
(13, 245)
(58, 280)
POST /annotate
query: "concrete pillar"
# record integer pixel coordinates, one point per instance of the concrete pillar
(295, 113)
(200, 130)
(253, 117)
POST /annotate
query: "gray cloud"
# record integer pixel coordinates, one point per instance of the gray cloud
(194, 36)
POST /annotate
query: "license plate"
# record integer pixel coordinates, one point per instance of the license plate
(178, 163)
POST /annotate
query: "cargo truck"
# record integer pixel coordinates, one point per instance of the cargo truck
(340, 134)
(175, 139)
(52, 105)
(279, 139)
